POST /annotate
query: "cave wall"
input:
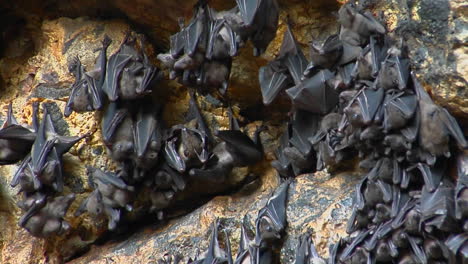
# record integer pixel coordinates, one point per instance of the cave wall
(40, 38)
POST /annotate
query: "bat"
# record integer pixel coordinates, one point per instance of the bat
(45, 217)
(291, 56)
(282, 164)
(86, 93)
(356, 27)
(325, 56)
(129, 73)
(273, 79)
(15, 140)
(362, 109)
(147, 136)
(271, 219)
(236, 149)
(436, 125)
(398, 110)
(306, 252)
(458, 247)
(260, 17)
(222, 42)
(395, 71)
(438, 209)
(288, 67)
(368, 63)
(117, 131)
(314, 94)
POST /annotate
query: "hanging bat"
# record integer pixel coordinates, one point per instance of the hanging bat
(117, 131)
(147, 136)
(235, 150)
(261, 18)
(288, 67)
(86, 93)
(271, 219)
(325, 56)
(283, 163)
(216, 255)
(15, 140)
(362, 109)
(44, 217)
(436, 125)
(222, 42)
(306, 252)
(44, 164)
(314, 94)
(394, 73)
(356, 27)
(129, 73)
(398, 110)
(438, 209)
(432, 175)
(367, 65)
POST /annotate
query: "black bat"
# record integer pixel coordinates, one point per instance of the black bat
(216, 255)
(287, 68)
(117, 131)
(438, 209)
(325, 55)
(282, 164)
(315, 94)
(129, 73)
(398, 110)
(86, 93)
(261, 18)
(362, 109)
(356, 27)
(436, 126)
(44, 165)
(15, 140)
(147, 136)
(367, 65)
(394, 72)
(109, 196)
(458, 246)
(44, 217)
(235, 150)
(306, 252)
(271, 219)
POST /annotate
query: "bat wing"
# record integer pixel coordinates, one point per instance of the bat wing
(17, 132)
(233, 124)
(417, 249)
(274, 210)
(74, 90)
(94, 92)
(193, 34)
(453, 128)
(356, 241)
(38, 204)
(115, 66)
(455, 242)
(369, 102)
(41, 146)
(271, 82)
(313, 94)
(292, 57)
(303, 125)
(144, 130)
(16, 178)
(248, 10)
(386, 190)
(411, 131)
(107, 178)
(241, 145)
(111, 120)
(149, 74)
(10, 120)
(172, 156)
(177, 43)
(201, 123)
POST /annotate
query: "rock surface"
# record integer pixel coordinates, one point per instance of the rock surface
(40, 38)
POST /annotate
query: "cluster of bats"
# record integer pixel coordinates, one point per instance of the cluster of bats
(357, 97)
(270, 225)
(40, 173)
(152, 157)
(201, 52)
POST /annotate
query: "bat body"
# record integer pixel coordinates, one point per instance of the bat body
(86, 94)
(129, 74)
